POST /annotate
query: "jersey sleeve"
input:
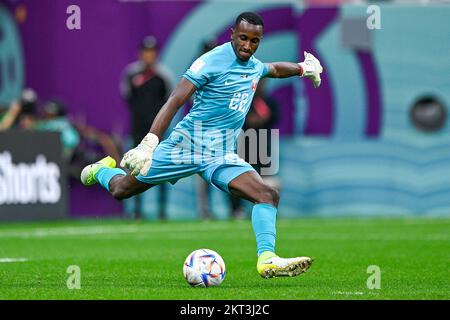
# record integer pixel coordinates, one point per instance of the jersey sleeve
(201, 71)
(265, 70)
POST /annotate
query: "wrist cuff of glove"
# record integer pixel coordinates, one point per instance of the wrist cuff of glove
(302, 71)
(151, 140)
(306, 70)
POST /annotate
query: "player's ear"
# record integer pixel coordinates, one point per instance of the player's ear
(231, 33)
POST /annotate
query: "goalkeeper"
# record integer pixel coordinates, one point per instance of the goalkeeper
(223, 82)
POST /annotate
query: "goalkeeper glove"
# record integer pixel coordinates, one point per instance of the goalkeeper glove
(139, 159)
(311, 69)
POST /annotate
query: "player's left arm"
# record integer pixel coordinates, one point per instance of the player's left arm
(310, 68)
(283, 69)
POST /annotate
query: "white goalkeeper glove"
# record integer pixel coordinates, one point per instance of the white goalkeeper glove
(139, 159)
(311, 69)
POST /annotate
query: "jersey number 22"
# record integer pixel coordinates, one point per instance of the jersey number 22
(239, 101)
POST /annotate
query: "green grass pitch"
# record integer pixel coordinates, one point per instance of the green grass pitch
(143, 260)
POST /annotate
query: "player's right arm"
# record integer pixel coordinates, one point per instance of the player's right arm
(139, 159)
(178, 98)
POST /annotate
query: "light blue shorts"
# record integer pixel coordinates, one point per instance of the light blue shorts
(171, 163)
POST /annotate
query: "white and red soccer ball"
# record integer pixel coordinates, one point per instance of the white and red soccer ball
(204, 268)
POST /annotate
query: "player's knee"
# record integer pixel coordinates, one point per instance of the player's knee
(269, 195)
(118, 192)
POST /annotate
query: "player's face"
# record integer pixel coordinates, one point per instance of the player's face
(245, 39)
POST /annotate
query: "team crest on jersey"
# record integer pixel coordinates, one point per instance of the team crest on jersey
(254, 84)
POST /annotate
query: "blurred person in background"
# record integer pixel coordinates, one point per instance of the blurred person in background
(145, 86)
(9, 116)
(21, 113)
(54, 118)
(29, 110)
(263, 114)
(81, 143)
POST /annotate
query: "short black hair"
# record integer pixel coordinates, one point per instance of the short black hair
(250, 17)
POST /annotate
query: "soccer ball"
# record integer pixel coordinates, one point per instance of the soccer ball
(204, 268)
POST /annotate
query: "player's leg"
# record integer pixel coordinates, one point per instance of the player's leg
(115, 180)
(249, 185)
(167, 166)
(125, 186)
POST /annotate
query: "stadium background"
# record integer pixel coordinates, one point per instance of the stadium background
(349, 148)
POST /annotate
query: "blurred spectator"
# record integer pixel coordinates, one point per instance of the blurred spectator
(55, 118)
(145, 86)
(20, 113)
(263, 114)
(28, 114)
(8, 117)
(81, 143)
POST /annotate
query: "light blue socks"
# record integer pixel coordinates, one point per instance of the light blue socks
(263, 221)
(104, 175)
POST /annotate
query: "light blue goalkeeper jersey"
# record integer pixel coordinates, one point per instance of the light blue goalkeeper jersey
(225, 89)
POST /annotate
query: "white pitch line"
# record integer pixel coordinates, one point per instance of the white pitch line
(96, 230)
(8, 260)
(349, 293)
(66, 231)
(178, 232)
